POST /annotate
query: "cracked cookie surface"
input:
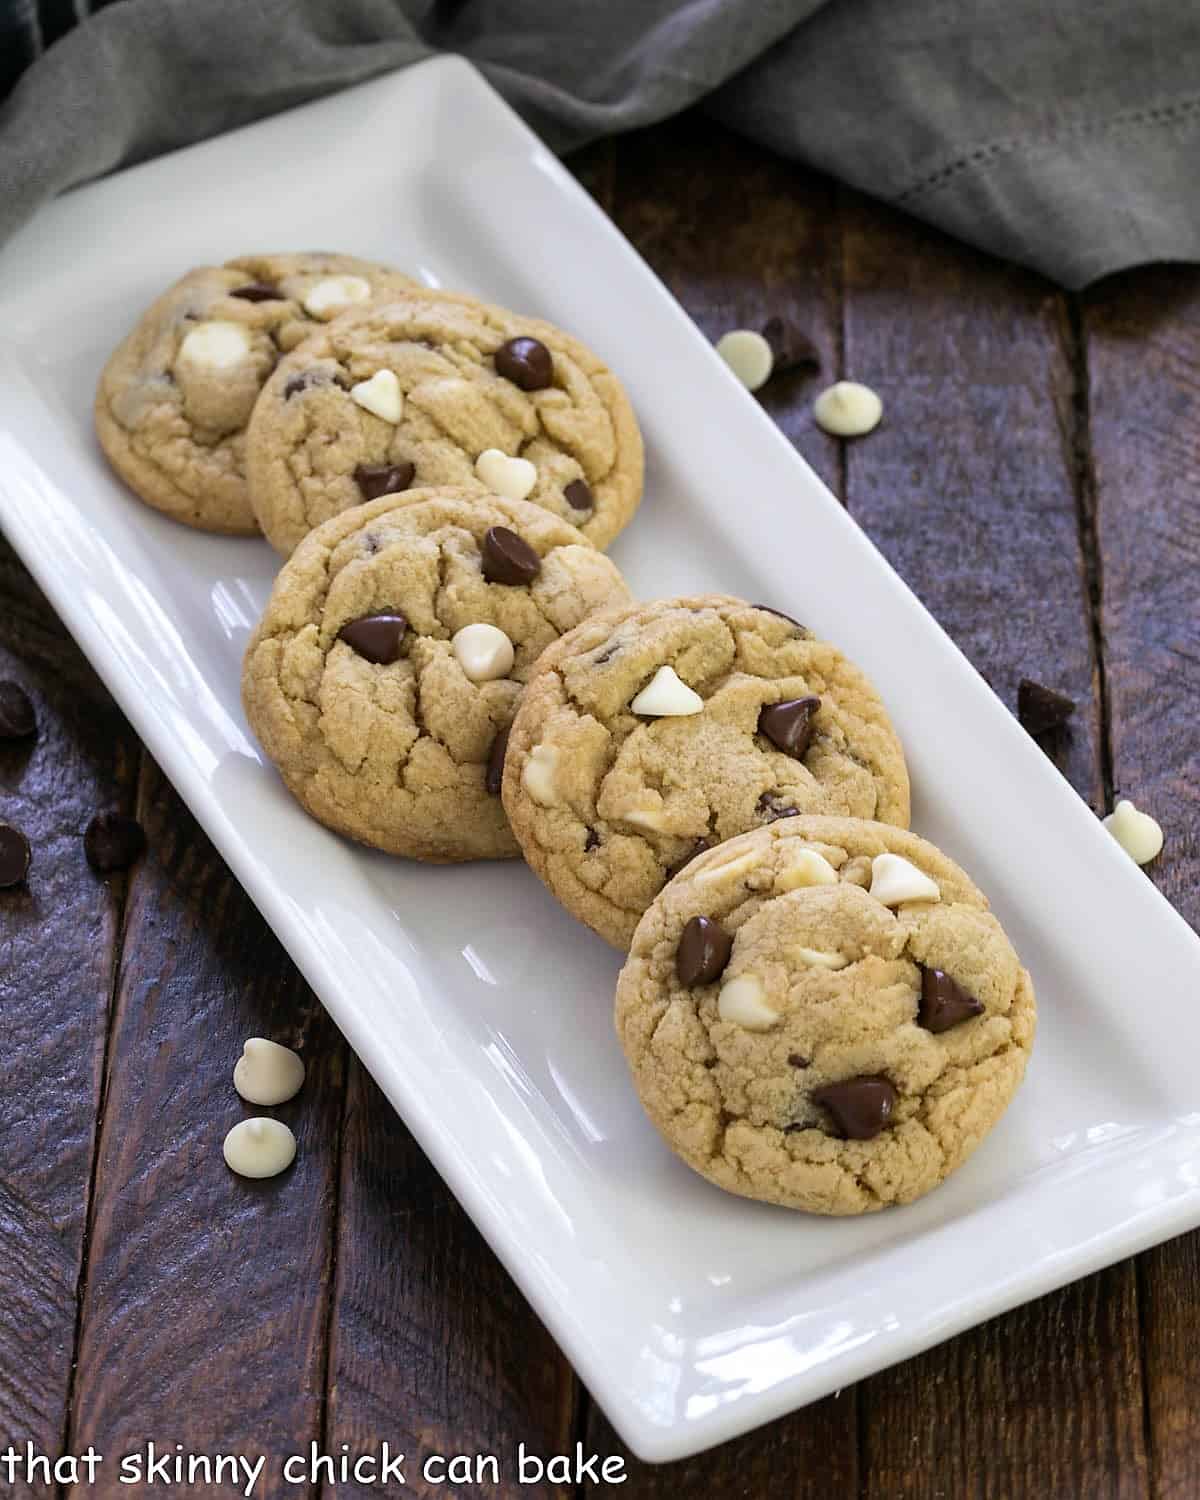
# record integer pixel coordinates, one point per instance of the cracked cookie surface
(820, 1011)
(607, 802)
(172, 420)
(309, 434)
(395, 752)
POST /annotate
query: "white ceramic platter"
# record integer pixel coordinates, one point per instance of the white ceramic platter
(483, 1010)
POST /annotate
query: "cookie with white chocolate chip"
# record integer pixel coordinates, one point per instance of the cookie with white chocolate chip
(648, 735)
(441, 390)
(392, 653)
(174, 399)
(825, 1015)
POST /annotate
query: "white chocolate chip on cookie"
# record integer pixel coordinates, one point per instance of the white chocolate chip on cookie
(748, 355)
(744, 1002)
(484, 652)
(732, 867)
(334, 293)
(511, 477)
(381, 395)
(218, 345)
(805, 867)
(267, 1073)
(667, 696)
(847, 409)
(816, 958)
(1137, 832)
(538, 777)
(259, 1148)
(895, 879)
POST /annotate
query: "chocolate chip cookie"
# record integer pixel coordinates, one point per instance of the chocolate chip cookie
(824, 1014)
(437, 390)
(391, 656)
(650, 734)
(174, 399)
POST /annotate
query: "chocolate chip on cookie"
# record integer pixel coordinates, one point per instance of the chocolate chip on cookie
(944, 1003)
(790, 724)
(578, 495)
(257, 291)
(17, 718)
(703, 952)
(112, 841)
(860, 1107)
(375, 480)
(526, 362)
(494, 776)
(15, 856)
(377, 638)
(505, 558)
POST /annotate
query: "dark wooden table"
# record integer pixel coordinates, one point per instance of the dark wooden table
(1035, 481)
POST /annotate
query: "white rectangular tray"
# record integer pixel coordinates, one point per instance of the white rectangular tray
(482, 1009)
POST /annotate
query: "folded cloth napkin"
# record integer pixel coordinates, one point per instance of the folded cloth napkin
(1062, 136)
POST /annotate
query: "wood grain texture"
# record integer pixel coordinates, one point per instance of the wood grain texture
(1142, 335)
(205, 1296)
(739, 236)
(57, 946)
(433, 1347)
(971, 490)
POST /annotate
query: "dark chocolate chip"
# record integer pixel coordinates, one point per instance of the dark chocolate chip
(113, 842)
(593, 841)
(374, 480)
(791, 349)
(860, 1107)
(773, 808)
(297, 384)
(607, 654)
(258, 291)
(578, 495)
(698, 848)
(17, 718)
(944, 1003)
(766, 608)
(796, 1061)
(508, 558)
(527, 363)
(1040, 709)
(703, 952)
(14, 855)
(789, 724)
(494, 776)
(375, 637)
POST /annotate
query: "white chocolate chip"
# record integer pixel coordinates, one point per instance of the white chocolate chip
(267, 1073)
(744, 1002)
(748, 355)
(219, 345)
(732, 867)
(1137, 832)
(667, 696)
(894, 880)
(511, 477)
(381, 395)
(259, 1148)
(805, 867)
(334, 293)
(539, 774)
(484, 652)
(848, 409)
(817, 958)
(645, 817)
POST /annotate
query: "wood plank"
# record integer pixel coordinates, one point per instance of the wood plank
(1143, 348)
(205, 1298)
(58, 938)
(970, 490)
(740, 236)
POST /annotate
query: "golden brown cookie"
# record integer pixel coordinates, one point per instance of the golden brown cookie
(825, 1015)
(391, 656)
(650, 734)
(443, 390)
(173, 401)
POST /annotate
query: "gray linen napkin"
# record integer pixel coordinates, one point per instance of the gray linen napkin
(1062, 135)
